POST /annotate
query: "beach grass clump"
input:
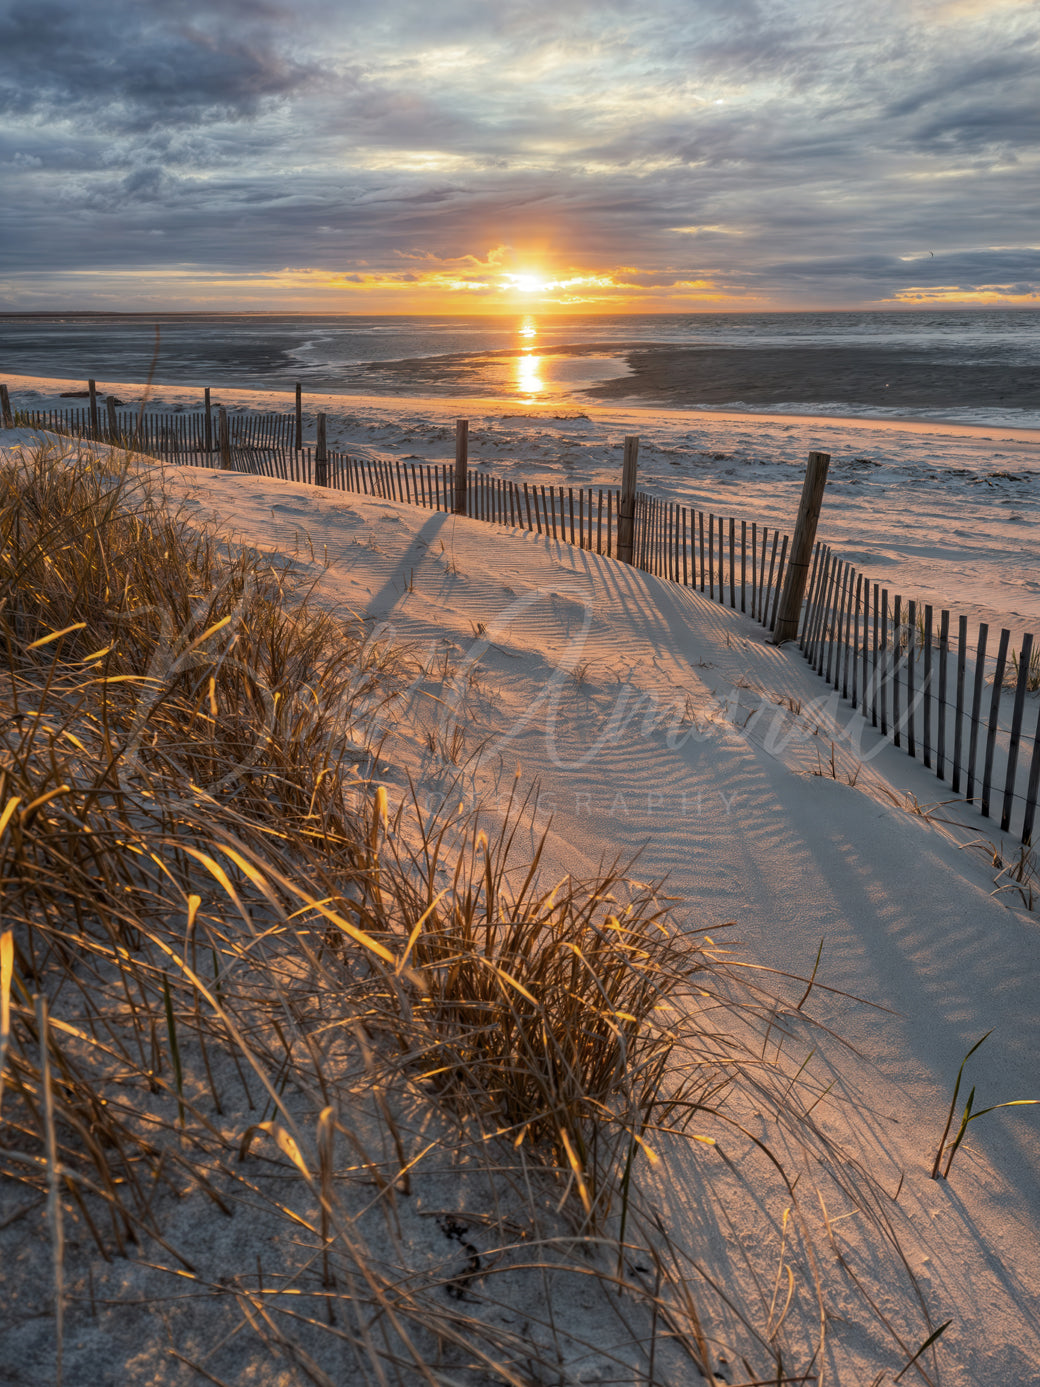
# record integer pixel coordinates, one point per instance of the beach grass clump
(246, 1007)
(550, 1012)
(1012, 674)
(207, 948)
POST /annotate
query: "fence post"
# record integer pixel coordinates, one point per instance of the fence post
(113, 428)
(299, 416)
(5, 406)
(95, 427)
(627, 500)
(461, 464)
(801, 548)
(209, 423)
(321, 456)
(224, 436)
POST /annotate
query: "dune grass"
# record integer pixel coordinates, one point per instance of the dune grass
(237, 981)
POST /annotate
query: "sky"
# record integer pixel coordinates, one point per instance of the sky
(473, 156)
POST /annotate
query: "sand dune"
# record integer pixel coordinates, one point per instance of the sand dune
(626, 707)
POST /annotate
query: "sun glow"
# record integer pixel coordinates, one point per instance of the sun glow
(527, 283)
(469, 284)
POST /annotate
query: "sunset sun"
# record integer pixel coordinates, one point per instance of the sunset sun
(527, 283)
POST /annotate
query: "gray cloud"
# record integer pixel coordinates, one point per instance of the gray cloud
(138, 67)
(788, 150)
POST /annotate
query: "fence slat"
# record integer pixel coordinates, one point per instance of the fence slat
(940, 731)
(833, 608)
(769, 581)
(732, 561)
(854, 638)
(780, 574)
(976, 708)
(812, 620)
(762, 599)
(958, 725)
(911, 655)
(994, 716)
(812, 600)
(1033, 788)
(897, 650)
(1016, 730)
(926, 687)
(847, 636)
(825, 607)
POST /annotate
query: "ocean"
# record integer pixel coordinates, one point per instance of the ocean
(975, 367)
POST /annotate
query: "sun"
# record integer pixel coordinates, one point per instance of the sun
(527, 283)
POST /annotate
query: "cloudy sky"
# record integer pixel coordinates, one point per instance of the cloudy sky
(473, 155)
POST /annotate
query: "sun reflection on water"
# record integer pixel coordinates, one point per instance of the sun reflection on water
(528, 377)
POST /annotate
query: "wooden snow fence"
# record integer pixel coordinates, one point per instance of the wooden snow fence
(966, 709)
(187, 437)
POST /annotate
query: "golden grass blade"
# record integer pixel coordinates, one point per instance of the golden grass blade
(334, 918)
(37, 804)
(579, 1174)
(513, 982)
(6, 973)
(54, 1215)
(56, 635)
(286, 1143)
(10, 808)
(417, 930)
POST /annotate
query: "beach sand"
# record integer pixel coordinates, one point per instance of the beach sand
(747, 828)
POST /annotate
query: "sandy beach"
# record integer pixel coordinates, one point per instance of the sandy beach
(757, 839)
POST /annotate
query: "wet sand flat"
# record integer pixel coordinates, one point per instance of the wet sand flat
(868, 376)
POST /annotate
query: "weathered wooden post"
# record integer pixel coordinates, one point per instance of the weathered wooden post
(321, 456)
(224, 435)
(801, 548)
(95, 427)
(299, 417)
(5, 407)
(209, 424)
(627, 501)
(113, 428)
(461, 464)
